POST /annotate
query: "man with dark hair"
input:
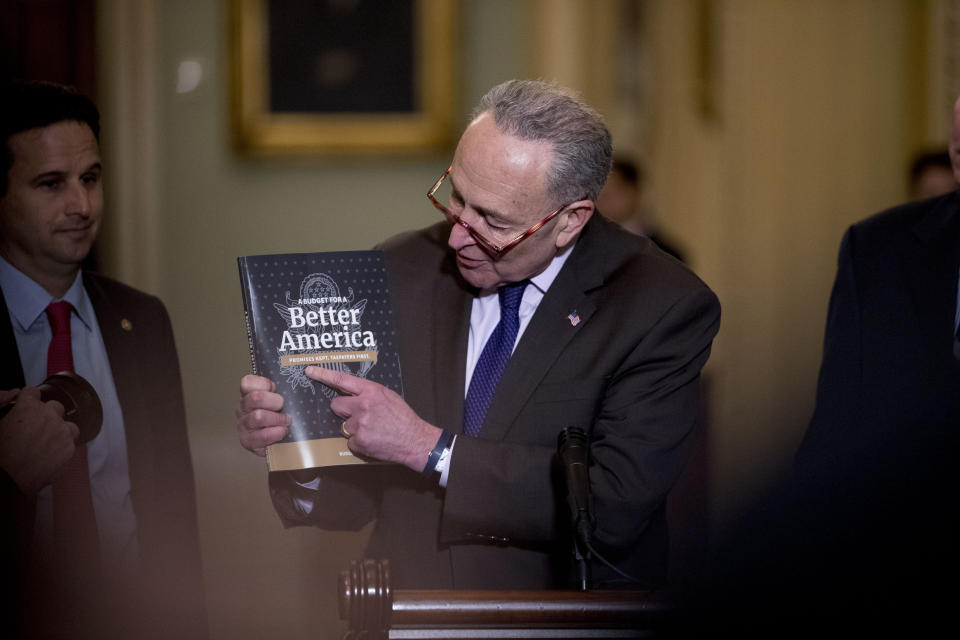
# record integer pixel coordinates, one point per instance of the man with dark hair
(607, 334)
(99, 538)
(931, 175)
(32, 105)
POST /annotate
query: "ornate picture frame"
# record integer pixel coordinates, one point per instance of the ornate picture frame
(357, 77)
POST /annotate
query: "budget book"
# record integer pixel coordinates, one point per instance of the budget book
(330, 310)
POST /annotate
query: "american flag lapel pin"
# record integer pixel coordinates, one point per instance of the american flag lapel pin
(574, 318)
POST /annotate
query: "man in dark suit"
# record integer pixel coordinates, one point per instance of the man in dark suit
(890, 375)
(611, 336)
(873, 522)
(861, 539)
(135, 570)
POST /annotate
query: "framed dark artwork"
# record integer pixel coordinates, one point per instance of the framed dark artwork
(341, 76)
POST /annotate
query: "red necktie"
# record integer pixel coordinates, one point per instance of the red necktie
(74, 521)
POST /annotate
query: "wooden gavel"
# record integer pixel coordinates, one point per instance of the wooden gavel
(81, 404)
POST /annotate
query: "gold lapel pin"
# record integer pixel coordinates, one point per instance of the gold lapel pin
(126, 325)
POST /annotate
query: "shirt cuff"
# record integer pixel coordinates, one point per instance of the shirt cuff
(305, 504)
(443, 465)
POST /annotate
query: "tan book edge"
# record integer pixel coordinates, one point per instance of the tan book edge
(306, 454)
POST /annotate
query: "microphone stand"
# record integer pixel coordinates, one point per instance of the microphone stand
(573, 449)
(583, 560)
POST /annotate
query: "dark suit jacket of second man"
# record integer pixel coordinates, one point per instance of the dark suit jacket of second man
(889, 385)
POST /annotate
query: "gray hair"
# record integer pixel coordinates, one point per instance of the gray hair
(537, 110)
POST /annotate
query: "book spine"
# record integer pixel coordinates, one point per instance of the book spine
(248, 315)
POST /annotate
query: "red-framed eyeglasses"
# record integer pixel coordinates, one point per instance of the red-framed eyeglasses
(495, 250)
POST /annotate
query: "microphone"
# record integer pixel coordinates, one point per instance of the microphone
(573, 450)
(81, 404)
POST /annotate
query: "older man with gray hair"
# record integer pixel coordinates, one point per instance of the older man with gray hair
(522, 313)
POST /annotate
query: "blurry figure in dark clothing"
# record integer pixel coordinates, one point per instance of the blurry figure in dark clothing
(864, 537)
(890, 377)
(931, 175)
(621, 200)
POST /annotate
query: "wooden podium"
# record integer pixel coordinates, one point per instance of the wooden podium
(375, 612)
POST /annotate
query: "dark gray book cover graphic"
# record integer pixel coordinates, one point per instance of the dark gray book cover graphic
(328, 309)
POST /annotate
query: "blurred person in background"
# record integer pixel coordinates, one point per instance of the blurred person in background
(100, 538)
(931, 175)
(621, 200)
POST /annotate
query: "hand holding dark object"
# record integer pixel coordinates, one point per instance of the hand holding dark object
(35, 440)
(81, 404)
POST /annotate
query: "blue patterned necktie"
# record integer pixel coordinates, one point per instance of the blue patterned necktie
(493, 360)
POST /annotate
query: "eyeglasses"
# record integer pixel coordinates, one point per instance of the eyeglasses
(495, 250)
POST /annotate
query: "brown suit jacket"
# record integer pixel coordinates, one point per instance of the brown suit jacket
(146, 373)
(627, 373)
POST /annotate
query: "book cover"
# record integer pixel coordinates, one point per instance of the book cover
(327, 309)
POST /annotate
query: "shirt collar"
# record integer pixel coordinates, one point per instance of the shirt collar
(27, 300)
(545, 278)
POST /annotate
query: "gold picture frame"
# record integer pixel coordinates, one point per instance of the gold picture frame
(425, 125)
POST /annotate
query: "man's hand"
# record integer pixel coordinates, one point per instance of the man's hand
(259, 418)
(381, 425)
(35, 441)
(7, 396)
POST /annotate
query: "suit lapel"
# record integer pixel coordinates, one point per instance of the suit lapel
(549, 332)
(14, 539)
(450, 330)
(11, 373)
(931, 267)
(119, 339)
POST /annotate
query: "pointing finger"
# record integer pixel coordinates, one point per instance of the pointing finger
(343, 382)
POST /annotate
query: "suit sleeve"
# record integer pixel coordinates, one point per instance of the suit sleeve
(838, 403)
(172, 541)
(16, 510)
(640, 441)
(344, 498)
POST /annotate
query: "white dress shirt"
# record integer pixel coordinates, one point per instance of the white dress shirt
(484, 318)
